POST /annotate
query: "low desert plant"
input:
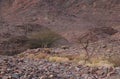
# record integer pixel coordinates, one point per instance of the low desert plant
(58, 59)
(43, 39)
(88, 52)
(81, 60)
(37, 56)
(115, 59)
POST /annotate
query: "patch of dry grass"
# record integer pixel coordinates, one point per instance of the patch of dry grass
(38, 56)
(96, 62)
(79, 59)
(93, 61)
(58, 59)
(42, 56)
(115, 59)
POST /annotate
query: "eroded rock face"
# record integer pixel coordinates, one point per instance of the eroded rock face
(13, 6)
(39, 10)
(96, 34)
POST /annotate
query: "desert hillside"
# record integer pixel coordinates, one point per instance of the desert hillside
(59, 39)
(69, 16)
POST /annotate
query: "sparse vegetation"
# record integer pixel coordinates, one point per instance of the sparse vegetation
(93, 61)
(75, 59)
(115, 59)
(92, 58)
(99, 61)
(34, 56)
(43, 39)
(85, 46)
(58, 59)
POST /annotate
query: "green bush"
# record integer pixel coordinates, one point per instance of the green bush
(42, 39)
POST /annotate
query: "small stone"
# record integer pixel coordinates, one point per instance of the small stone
(114, 77)
(2, 72)
(42, 77)
(9, 77)
(16, 76)
(51, 76)
(84, 76)
(103, 46)
(99, 72)
(64, 47)
(5, 77)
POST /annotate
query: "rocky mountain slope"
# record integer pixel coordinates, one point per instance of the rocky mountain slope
(83, 36)
(69, 18)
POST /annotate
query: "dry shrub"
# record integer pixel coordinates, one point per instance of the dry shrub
(43, 39)
(115, 59)
(93, 61)
(91, 37)
(31, 56)
(58, 59)
(76, 57)
(79, 59)
(38, 56)
(42, 56)
(99, 61)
